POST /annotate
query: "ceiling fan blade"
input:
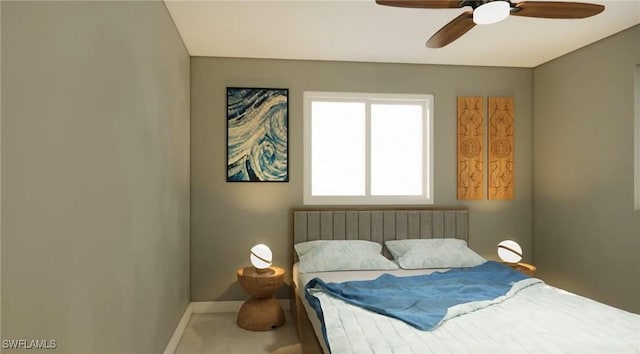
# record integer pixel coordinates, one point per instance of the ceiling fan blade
(421, 4)
(452, 30)
(553, 9)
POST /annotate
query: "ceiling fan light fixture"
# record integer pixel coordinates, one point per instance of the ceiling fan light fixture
(491, 12)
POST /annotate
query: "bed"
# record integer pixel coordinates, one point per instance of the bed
(528, 317)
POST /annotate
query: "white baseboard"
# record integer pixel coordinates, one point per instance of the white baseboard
(227, 306)
(208, 307)
(177, 334)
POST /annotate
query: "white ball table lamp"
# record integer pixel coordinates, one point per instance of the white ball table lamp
(261, 257)
(262, 312)
(510, 251)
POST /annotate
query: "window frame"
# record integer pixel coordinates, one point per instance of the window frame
(426, 100)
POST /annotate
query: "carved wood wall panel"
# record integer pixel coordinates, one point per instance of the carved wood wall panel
(470, 147)
(501, 173)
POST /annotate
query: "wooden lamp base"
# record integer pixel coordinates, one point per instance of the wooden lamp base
(525, 268)
(261, 314)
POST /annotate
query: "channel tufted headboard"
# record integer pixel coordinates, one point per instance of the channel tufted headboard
(378, 223)
(373, 223)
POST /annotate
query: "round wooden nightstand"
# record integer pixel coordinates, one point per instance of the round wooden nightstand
(525, 268)
(262, 312)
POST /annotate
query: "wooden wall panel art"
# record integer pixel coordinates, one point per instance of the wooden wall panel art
(501, 175)
(470, 147)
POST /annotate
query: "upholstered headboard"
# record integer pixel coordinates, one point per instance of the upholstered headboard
(378, 223)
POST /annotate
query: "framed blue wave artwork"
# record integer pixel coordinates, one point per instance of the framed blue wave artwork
(257, 135)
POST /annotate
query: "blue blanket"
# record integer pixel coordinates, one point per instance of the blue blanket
(421, 301)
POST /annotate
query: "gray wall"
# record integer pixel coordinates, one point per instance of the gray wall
(586, 232)
(228, 218)
(95, 175)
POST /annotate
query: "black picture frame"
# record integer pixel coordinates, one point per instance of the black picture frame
(257, 134)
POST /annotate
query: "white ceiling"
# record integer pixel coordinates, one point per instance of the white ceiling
(361, 30)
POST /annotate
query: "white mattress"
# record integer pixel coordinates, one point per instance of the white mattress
(537, 319)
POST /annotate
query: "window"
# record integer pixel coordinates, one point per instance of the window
(368, 148)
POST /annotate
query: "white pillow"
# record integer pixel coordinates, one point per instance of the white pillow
(330, 255)
(433, 253)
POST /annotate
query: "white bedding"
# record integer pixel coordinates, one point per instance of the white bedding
(538, 319)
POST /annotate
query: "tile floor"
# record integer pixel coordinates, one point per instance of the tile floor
(217, 333)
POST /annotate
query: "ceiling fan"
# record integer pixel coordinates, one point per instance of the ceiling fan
(492, 11)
